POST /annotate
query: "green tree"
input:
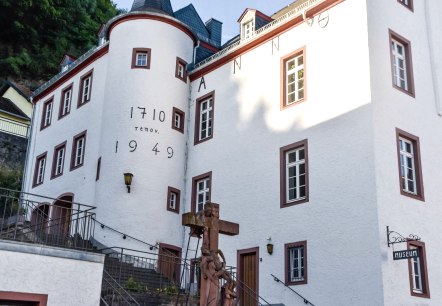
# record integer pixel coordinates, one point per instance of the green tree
(35, 34)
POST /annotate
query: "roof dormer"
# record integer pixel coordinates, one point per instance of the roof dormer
(250, 21)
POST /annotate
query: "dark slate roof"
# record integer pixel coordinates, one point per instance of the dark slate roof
(159, 6)
(189, 16)
(202, 53)
(9, 107)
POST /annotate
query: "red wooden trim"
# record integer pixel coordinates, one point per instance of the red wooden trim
(37, 160)
(408, 62)
(74, 149)
(241, 253)
(148, 51)
(63, 92)
(287, 246)
(43, 113)
(177, 193)
(418, 165)
(195, 179)
(170, 21)
(88, 74)
(197, 117)
(180, 61)
(282, 162)
(182, 115)
(41, 299)
(423, 257)
(283, 73)
(54, 159)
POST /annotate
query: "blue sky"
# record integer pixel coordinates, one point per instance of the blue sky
(226, 11)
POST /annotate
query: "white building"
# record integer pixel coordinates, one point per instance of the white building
(315, 129)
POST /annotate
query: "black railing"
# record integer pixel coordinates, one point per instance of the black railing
(282, 283)
(36, 219)
(113, 294)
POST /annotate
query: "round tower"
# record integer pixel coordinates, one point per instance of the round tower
(144, 126)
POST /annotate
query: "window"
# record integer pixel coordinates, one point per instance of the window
(247, 29)
(293, 78)
(65, 103)
(204, 118)
(401, 67)
(78, 150)
(39, 171)
(46, 116)
(180, 70)
(84, 94)
(410, 170)
(178, 120)
(407, 3)
(58, 160)
(296, 263)
(141, 58)
(201, 193)
(417, 268)
(294, 173)
(173, 199)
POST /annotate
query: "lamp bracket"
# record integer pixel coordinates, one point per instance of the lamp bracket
(394, 237)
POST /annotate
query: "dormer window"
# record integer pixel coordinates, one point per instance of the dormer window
(247, 29)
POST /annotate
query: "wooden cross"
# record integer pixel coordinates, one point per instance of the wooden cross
(208, 224)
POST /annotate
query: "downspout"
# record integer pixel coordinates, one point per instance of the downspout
(432, 61)
(28, 145)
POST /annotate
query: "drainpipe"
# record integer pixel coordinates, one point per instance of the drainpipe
(435, 80)
(28, 145)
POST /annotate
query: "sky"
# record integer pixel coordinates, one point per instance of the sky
(226, 11)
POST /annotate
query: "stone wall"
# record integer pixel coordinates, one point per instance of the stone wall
(12, 152)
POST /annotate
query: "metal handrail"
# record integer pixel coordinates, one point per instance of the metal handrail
(250, 292)
(280, 281)
(117, 288)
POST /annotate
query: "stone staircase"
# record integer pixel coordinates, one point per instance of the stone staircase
(142, 283)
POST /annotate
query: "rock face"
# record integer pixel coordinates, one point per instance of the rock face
(12, 156)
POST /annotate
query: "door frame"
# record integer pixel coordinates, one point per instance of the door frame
(38, 299)
(170, 247)
(240, 255)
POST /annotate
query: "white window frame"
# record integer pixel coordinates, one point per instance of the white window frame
(86, 93)
(40, 170)
(79, 151)
(173, 200)
(67, 100)
(180, 70)
(399, 64)
(296, 164)
(48, 113)
(177, 120)
(204, 192)
(407, 156)
(248, 29)
(205, 125)
(59, 161)
(141, 59)
(296, 256)
(298, 81)
(416, 273)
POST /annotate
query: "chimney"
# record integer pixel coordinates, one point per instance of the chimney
(215, 28)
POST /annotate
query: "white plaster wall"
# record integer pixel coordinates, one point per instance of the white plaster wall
(142, 212)
(81, 181)
(340, 220)
(67, 282)
(418, 116)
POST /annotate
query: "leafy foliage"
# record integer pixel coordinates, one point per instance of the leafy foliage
(35, 34)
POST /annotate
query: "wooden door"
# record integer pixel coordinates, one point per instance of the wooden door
(248, 270)
(169, 259)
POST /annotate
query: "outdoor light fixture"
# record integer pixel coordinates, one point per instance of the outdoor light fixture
(128, 180)
(269, 246)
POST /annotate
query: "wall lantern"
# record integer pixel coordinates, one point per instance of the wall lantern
(128, 180)
(269, 246)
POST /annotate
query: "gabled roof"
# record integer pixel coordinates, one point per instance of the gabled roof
(257, 13)
(24, 91)
(67, 60)
(159, 6)
(189, 16)
(7, 106)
